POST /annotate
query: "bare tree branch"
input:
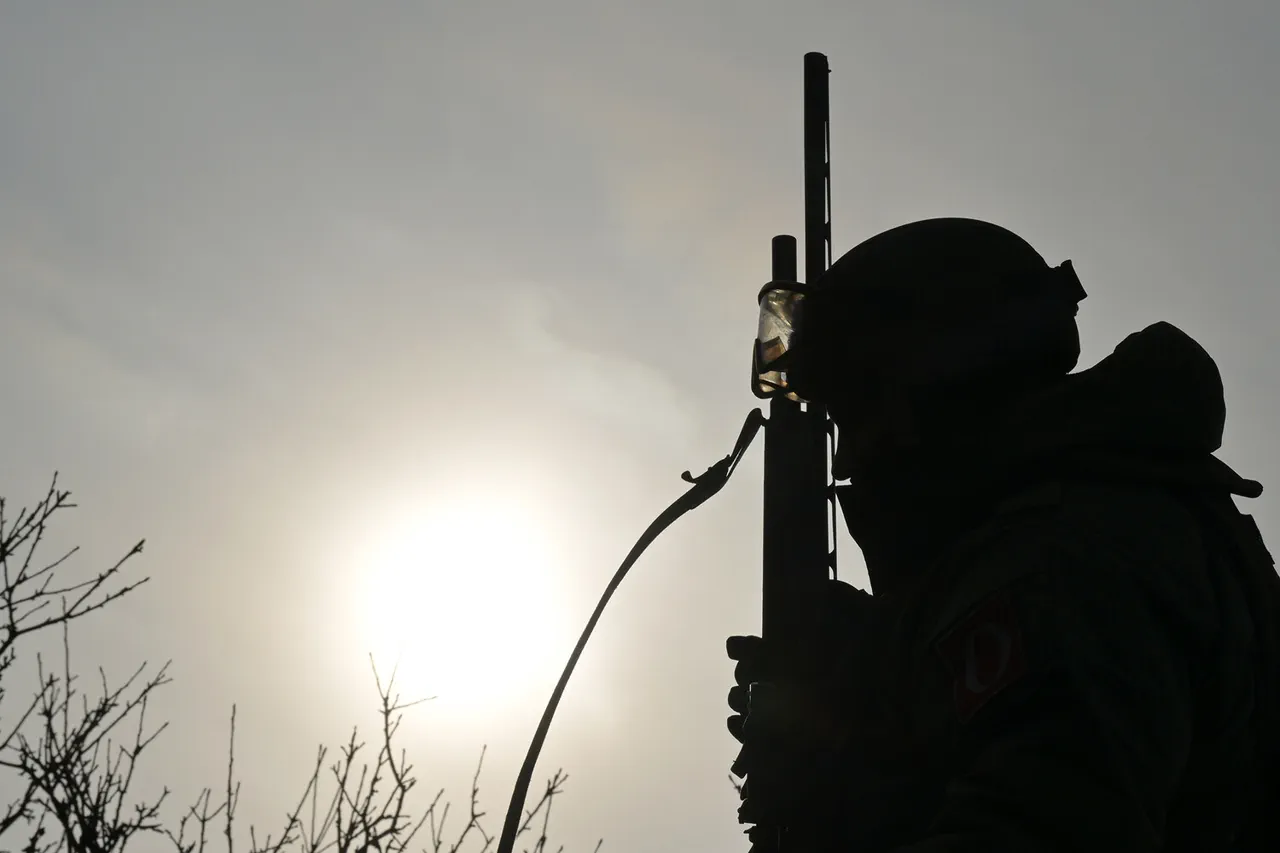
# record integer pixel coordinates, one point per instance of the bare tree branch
(74, 752)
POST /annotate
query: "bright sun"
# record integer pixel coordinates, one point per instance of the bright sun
(461, 601)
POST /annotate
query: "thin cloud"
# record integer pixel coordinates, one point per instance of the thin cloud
(624, 395)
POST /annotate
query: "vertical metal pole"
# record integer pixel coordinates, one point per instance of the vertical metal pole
(817, 224)
(817, 166)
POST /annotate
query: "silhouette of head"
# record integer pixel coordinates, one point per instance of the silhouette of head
(928, 321)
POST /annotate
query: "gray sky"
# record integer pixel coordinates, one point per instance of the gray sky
(289, 287)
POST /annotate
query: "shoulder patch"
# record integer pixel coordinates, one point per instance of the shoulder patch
(984, 653)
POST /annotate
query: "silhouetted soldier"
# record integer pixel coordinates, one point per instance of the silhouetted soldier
(1071, 643)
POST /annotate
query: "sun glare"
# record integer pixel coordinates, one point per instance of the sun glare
(462, 602)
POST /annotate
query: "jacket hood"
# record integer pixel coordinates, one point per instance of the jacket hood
(1151, 412)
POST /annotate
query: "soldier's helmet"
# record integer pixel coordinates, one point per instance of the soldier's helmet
(932, 304)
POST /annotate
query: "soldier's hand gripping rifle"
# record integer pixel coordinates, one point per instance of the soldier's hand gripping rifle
(798, 555)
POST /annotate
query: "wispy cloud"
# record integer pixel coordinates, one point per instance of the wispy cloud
(625, 396)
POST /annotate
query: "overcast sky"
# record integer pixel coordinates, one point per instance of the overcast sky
(324, 299)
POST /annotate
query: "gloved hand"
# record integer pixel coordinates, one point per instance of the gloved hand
(768, 702)
(789, 713)
(797, 725)
(753, 665)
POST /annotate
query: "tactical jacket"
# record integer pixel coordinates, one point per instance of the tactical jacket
(1070, 653)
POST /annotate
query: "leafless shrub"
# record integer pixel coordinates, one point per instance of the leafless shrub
(367, 806)
(73, 752)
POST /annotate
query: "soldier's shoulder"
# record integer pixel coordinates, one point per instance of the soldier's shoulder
(1085, 532)
(1069, 515)
(1133, 522)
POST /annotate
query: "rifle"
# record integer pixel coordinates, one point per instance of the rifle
(799, 546)
(799, 552)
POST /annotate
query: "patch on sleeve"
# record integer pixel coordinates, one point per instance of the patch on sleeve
(985, 654)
